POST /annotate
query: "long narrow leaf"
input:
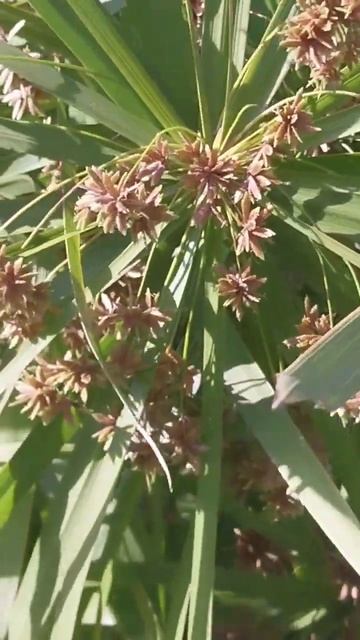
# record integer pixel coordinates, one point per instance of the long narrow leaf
(64, 21)
(205, 526)
(328, 373)
(259, 77)
(306, 477)
(13, 539)
(101, 27)
(55, 142)
(27, 464)
(49, 596)
(63, 86)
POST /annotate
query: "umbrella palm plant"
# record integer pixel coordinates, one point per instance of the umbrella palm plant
(178, 180)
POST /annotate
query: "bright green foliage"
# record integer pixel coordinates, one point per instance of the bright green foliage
(251, 525)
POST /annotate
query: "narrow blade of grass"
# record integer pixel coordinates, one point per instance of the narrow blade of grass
(102, 28)
(13, 539)
(205, 526)
(328, 373)
(62, 19)
(63, 86)
(49, 595)
(305, 475)
(28, 463)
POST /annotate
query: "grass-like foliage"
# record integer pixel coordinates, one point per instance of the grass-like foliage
(179, 332)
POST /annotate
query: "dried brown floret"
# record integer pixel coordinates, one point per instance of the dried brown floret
(40, 399)
(239, 289)
(291, 123)
(311, 328)
(253, 232)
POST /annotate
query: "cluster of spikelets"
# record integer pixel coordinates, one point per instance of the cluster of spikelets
(324, 35)
(23, 300)
(57, 385)
(229, 189)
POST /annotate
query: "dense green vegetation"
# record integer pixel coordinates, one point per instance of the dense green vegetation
(179, 290)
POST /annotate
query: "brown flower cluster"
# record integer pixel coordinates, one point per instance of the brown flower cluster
(40, 398)
(311, 328)
(17, 93)
(291, 123)
(239, 289)
(171, 414)
(324, 35)
(23, 300)
(127, 320)
(254, 551)
(251, 473)
(218, 182)
(126, 200)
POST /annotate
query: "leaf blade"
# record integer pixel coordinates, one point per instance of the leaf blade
(296, 462)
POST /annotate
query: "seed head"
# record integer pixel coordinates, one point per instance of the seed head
(211, 177)
(121, 202)
(291, 123)
(311, 328)
(239, 289)
(72, 375)
(40, 399)
(253, 231)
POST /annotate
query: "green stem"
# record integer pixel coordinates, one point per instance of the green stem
(202, 101)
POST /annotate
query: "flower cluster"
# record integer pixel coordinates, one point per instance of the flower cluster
(324, 35)
(311, 328)
(23, 300)
(239, 289)
(252, 474)
(126, 200)
(254, 551)
(17, 93)
(169, 416)
(40, 398)
(291, 123)
(127, 320)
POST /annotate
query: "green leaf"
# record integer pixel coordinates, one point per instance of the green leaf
(318, 237)
(241, 23)
(332, 127)
(180, 595)
(13, 539)
(64, 21)
(14, 186)
(330, 102)
(18, 476)
(49, 595)
(167, 58)
(63, 86)
(306, 477)
(102, 28)
(208, 492)
(325, 191)
(214, 55)
(328, 373)
(56, 143)
(259, 77)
